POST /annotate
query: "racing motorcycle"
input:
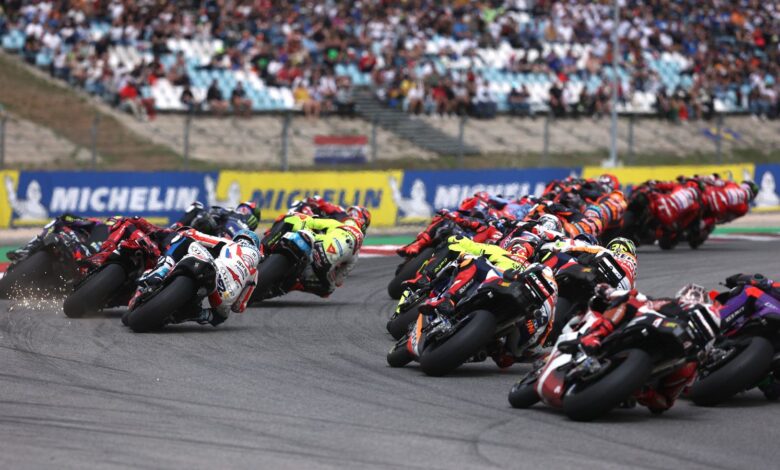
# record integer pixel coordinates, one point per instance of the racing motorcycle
(287, 255)
(178, 297)
(113, 282)
(484, 320)
(745, 355)
(52, 261)
(638, 353)
(638, 222)
(412, 264)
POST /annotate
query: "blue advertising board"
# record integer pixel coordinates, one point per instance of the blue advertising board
(768, 198)
(423, 192)
(41, 195)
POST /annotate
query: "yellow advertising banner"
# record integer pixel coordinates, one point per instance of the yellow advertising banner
(7, 195)
(274, 192)
(632, 175)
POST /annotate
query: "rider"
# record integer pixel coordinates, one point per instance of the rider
(88, 230)
(220, 221)
(724, 200)
(611, 308)
(622, 250)
(236, 264)
(135, 230)
(336, 246)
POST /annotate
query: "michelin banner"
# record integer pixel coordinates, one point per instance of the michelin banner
(421, 193)
(274, 192)
(34, 197)
(632, 175)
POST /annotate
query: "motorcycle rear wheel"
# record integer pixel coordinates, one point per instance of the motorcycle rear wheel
(407, 271)
(92, 294)
(740, 373)
(154, 314)
(271, 272)
(611, 389)
(441, 359)
(27, 275)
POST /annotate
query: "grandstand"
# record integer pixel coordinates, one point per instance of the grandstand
(681, 61)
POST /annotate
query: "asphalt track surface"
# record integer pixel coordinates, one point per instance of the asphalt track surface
(302, 383)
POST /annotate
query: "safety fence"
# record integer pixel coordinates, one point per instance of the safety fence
(31, 198)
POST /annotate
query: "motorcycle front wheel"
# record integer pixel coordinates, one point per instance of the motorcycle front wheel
(741, 372)
(523, 395)
(598, 398)
(156, 312)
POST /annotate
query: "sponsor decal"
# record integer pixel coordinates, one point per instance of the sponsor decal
(768, 198)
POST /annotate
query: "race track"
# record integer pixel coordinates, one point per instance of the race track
(302, 383)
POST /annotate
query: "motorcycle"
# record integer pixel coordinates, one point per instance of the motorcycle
(638, 353)
(484, 319)
(746, 352)
(53, 261)
(178, 297)
(287, 255)
(113, 283)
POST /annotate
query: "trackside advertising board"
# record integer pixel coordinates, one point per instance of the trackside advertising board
(421, 193)
(629, 176)
(35, 197)
(274, 192)
(32, 198)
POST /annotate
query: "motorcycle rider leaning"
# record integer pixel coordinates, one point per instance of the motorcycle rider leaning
(236, 264)
(336, 246)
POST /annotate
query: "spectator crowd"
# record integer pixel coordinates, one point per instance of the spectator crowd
(423, 56)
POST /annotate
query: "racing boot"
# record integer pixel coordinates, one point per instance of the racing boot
(25, 251)
(209, 316)
(155, 276)
(414, 248)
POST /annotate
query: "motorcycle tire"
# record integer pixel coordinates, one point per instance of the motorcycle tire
(523, 395)
(742, 372)
(154, 314)
(398, 325)
(408, 271)
(440, 359)
(628, 228)
(399, 356)
(271, 272)
(27, 275)
(667, 243)
(598, 398)
(93, 294)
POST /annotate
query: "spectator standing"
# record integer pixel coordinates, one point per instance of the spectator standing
(241, 104)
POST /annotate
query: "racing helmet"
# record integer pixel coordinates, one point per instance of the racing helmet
(361, 216)
(571, 200)
(550, 222)
(247, 237)
(609, 181)
(622, 245)
(252, 211)
(752, 188)
(527, 242)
